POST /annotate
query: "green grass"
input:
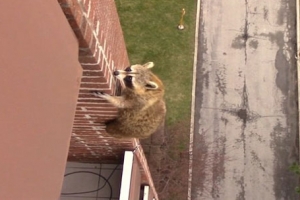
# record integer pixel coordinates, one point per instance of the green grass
(151, 34)
(296, 169)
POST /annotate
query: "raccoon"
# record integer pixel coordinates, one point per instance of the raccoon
(141, 105)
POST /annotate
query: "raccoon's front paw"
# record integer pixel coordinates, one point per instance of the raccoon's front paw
(98, 94)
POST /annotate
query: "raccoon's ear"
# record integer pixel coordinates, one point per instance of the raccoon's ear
(149, 65)
(151, 85)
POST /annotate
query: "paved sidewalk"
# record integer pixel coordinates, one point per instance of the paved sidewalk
(246, 114)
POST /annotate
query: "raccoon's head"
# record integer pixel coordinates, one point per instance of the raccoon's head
(138, 77)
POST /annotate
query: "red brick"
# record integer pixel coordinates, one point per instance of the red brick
(63, 2)
(94, 118)
(92, 73)
(89, 34)
(94, 46)
(74, 24)
(80, 38)
(80, 6)
(91, 60)
(67, 11)
(107, 113)
(99, 86)
(85, 51)
(91, 14)
(83, 104)
(104, 108)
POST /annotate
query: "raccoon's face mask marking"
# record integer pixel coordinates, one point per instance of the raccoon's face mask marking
(128, 81)
(137, 77)
(128, 69)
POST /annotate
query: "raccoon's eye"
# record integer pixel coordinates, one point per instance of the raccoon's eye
(128, 78)
(128, 69)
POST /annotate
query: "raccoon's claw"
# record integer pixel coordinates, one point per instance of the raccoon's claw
(98, 93)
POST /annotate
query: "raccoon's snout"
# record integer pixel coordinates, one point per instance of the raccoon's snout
(116, 73)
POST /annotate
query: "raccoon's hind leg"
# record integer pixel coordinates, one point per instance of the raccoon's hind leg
(112, 128)
(117, 101)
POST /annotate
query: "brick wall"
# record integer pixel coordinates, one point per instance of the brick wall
(101, 51)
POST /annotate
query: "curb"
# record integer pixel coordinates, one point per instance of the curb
(193, 103)
(297, 55)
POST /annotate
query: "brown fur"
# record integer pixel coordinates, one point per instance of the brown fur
(141, 105)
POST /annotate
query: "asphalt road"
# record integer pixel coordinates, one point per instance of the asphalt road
(246, 121)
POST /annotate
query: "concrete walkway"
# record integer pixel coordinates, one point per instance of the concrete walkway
(246, 122)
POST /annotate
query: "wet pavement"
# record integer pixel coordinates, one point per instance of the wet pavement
(246, 122)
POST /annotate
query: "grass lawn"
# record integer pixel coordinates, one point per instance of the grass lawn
(151, 34)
